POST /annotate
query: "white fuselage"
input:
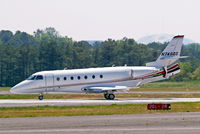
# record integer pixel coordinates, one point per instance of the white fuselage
(75, 80)
(105, 80)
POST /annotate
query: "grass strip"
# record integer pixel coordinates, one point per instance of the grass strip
(4, 88)
(10, 112)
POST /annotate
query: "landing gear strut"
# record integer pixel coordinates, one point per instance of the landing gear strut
(40, 97)
(109, 96)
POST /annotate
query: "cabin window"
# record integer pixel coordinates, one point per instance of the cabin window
(65, 78)
(78, 77)
(72, 78)
(39, 77)
(93, 76)
(101, 76)
(58, 78)
(85, 77)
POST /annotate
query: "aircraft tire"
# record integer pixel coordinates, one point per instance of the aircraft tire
(106, 96)
(40, 97)
(111, 96)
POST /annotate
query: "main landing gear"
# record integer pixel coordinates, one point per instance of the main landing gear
(40, 97)
(109, 96)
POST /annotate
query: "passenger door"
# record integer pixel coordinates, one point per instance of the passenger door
(49, 82)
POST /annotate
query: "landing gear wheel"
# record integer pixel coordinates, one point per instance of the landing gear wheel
(111, 96)
(40, 97)
(106, 96)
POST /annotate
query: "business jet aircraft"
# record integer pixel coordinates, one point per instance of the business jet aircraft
(106, 80)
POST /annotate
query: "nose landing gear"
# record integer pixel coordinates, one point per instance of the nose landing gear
(40, 97)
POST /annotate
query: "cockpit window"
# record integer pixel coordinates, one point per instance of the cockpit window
(32, 77)
(39, 77)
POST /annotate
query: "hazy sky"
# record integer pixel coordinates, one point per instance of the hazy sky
(102, 19)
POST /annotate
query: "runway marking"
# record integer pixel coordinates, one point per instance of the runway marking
(101, 129)
(94, 101)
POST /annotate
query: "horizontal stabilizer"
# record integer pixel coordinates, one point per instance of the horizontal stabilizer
(183, 57)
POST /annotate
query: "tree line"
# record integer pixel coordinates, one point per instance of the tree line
(22, 54)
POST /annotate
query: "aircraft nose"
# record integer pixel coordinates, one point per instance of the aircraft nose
(18, 88)
(15, 89)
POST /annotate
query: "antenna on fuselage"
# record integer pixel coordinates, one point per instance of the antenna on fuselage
(113, 65)
(65, 68)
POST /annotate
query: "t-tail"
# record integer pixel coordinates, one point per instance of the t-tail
(168, 59)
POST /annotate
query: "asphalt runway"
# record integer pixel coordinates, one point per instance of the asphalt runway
(167, 123)
(71, 102)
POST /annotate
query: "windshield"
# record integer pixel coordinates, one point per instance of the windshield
(39, 77)
(32, 77)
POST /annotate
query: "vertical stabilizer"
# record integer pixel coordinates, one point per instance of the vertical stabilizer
(170, 54)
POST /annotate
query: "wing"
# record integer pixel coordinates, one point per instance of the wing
(94, 89)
